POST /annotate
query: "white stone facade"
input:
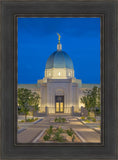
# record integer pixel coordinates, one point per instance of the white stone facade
(59, 87)
(71, 89)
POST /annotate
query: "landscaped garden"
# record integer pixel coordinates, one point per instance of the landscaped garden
(88, 119)
(57, 135)
(29, 120)
(60, 120)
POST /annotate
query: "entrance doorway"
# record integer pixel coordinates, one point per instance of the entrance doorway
(59, 104)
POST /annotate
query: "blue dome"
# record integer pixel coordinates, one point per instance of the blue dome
(59, 59)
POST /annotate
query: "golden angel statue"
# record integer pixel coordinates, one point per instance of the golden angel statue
(59, 37)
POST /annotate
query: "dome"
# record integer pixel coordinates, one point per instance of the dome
(59, 59)
(59, 65)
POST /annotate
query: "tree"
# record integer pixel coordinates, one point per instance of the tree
(34, 102)
(98, 103)
(24, 100)
(19, 110)
(92, 99)
(87, 99)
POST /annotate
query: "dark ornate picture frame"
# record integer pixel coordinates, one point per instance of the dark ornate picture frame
(107, 10)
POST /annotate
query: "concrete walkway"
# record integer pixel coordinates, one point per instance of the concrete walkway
(88, 135)
(28, 135)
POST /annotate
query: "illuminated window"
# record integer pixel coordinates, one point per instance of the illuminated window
(69, 73)
(59, 73)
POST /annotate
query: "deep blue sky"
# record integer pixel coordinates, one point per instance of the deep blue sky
(37, 39)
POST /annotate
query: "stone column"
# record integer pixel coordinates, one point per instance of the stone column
(72, 111)
(46, 110)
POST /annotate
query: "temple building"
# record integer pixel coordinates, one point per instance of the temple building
(59, 90)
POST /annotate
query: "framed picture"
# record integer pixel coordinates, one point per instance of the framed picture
(58, 80)
(59, 108)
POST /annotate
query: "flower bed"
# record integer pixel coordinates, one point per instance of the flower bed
(59, 120)
(88, 119)
(59, 135)
(29, 120)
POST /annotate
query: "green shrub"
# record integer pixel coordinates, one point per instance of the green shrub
(51, 127)
(93, 119)
(31, 120)
(98, 111)
(60, 130)
(22, 121)
(63, 120)
(57, 137)
(56, 119)
(60, 120)
(50, 131)
(87, 121)
(46, 137)
(89, 118)
(70, 132)
(83, 118)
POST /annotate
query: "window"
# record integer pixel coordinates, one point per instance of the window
(59, 73)
(69, 73)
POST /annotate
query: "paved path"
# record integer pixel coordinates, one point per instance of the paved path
(88, 134)
(28, 135)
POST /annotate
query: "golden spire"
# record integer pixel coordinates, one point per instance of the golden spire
(59, 37)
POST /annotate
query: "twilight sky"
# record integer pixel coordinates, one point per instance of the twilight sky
(37, 40)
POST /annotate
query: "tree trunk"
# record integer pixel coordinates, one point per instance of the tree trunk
(25, 117)
(33, 114)
(95, 114)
